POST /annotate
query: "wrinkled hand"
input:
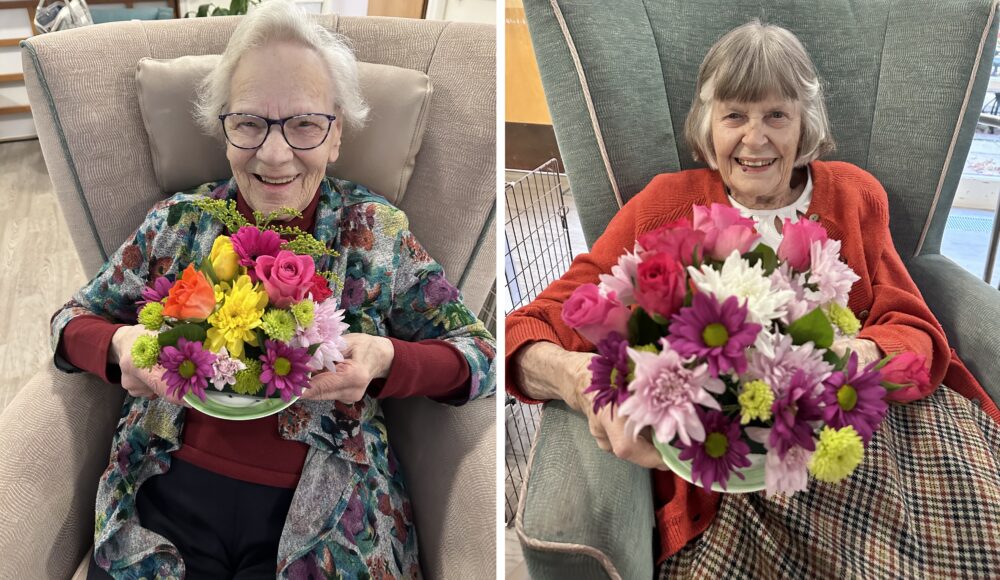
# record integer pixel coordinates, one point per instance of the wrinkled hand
(366, 358)
(138, 382)
(868, 351)
(610, 432)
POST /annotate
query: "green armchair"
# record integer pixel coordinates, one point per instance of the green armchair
(904, 82)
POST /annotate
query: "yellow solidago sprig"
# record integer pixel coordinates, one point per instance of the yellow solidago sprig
(145, 352)
(224, 211)
(838, 453)
(755, 401)
(234, 322)
(278, 324)
(151, 315)
(843, 318)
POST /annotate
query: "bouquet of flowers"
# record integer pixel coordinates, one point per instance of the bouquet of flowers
(721, 345)
(255, 318)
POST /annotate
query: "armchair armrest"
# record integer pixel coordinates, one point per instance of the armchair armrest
(583, 513)
(448, 457)
(969, 311)
(55, 436)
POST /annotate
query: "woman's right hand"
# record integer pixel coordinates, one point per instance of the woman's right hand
(138, 382)
(547, 371)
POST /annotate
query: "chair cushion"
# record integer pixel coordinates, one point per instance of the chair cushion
(381, 156)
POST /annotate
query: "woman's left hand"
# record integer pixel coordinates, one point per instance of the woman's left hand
(366, 358)
(867, 351)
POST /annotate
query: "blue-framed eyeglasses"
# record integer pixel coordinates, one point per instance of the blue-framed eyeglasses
(305, 131)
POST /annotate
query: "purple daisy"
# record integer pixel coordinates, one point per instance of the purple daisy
(854, 397)
(720, 454)
(249, 243)
(188, 367)
(285, 369)
(610, 372)
(719, 333)
(792, 414)
(158, 291)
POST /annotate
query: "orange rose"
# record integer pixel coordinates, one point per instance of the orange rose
(191, 297)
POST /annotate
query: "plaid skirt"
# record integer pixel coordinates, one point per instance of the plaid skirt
(925, 503)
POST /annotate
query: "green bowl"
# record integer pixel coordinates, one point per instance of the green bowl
(753, 475)
(223, 405)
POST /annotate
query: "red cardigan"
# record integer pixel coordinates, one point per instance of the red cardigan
(853, 207)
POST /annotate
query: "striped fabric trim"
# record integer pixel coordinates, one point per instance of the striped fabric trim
(547, 545)
(594, 122)
(958, 126)
(65, 147)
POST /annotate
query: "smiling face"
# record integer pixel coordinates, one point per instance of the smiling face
(278, 81)
(755, 147)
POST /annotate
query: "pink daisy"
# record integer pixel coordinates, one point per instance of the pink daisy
(187, 368)
(284, 369)
(717, 333)
(721, 453)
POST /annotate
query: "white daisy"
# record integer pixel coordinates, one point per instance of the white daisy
(737, 277)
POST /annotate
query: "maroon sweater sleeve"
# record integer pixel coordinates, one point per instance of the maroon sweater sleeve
(429, 368)
(85, 343)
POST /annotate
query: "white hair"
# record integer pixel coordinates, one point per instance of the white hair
(278, 21)
(751, 63)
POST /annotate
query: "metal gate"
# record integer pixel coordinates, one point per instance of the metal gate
(538, 251)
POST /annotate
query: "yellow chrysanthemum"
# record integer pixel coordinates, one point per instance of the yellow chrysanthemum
(755, 401)
(844, 319)
(233, 323)
(838, 453)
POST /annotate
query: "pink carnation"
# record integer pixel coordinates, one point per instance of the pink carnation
(725, 230)
(593, 315)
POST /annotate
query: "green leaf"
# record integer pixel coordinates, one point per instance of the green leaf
(209, 271)
(313, 348)
(238, 7)
(190, 331)
(813, 327)
(203, 10)
(832, 358)
(642, 329)
(220, 12)
(765, 255)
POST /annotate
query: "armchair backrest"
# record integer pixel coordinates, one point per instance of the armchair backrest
(904, 80)
(85, 105)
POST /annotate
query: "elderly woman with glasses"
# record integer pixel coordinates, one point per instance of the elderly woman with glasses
(917, 505)
(315, 490)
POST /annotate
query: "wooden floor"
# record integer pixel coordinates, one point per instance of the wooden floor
(39, 268)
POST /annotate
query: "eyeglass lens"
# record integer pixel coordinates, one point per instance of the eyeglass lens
(302, 131)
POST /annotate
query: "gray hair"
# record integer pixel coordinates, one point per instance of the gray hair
(276, 21)
(751, 63)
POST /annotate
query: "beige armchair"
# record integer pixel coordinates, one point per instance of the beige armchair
(55, 435)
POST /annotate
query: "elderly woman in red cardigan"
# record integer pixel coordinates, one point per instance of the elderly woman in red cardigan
(925, 499)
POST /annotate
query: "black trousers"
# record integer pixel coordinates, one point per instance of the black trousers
(224, 528)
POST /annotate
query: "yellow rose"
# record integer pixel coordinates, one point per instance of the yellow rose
(224, 260)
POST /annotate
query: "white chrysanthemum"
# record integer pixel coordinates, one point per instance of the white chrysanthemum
(833, 277)
(621, 281)
(737, 277)
(778, 368)
(326, 330)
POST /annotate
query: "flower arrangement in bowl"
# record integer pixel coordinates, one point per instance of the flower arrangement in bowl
(721, 345)
(240, 334)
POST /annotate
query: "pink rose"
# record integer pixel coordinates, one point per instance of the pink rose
(796, 241)
(677, 239)
(725, 230)
(593, 315)
(660, 284)
(287, 277)
(910, 370)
